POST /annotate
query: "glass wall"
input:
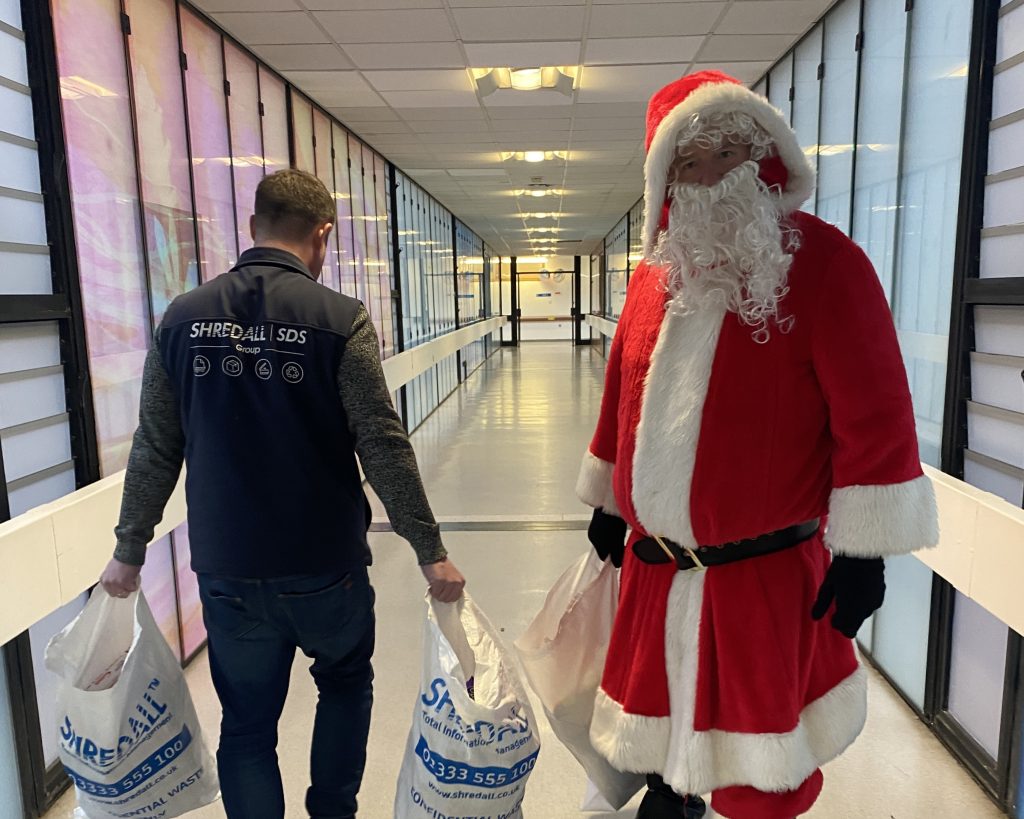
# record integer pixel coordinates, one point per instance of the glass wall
(616, 253)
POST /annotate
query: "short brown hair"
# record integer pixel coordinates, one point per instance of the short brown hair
(290, 204)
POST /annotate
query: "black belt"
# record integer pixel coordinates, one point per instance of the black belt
(661, 550)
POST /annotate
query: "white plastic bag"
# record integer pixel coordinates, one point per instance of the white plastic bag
(129, 736)
(563, 652)
(472, 744)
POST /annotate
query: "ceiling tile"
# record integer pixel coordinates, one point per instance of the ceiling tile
(522, 55)
(653, 19)
(770, 17)
(370, 5)
(333, 97)
(634, 110)
(398, 99)
(376, 128)
(327, 80)
(627, 83)
(409, 55)
(272, 27)
(632, 50)
(298, 57)
(420, 80)
(411, 26)
(500, 3)
(212, 6)
(414, 113)
(744, 47)
(744, 72)
(445, 126)
(352, 114)
(529, 112)
(520, 23)
(510, 98)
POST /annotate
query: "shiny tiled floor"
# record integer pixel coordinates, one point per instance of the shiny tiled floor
(507, 446)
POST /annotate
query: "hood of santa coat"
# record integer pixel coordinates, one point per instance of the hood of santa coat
(709, 92)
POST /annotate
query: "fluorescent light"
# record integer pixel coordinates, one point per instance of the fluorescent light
(534, 156)
(526, 79)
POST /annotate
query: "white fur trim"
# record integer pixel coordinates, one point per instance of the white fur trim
(884, 520)
(702, 761)
(630, 742)
(594, 485)
(670, 421)
(708, 99)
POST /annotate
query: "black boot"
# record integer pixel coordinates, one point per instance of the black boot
(661, 802)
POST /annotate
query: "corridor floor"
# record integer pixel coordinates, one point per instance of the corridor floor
(499, 459)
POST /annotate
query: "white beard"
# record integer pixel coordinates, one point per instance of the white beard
(725, 244)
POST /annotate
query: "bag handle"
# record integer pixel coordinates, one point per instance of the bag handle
(449, 620)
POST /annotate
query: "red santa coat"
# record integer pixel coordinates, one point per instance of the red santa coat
(705, 436)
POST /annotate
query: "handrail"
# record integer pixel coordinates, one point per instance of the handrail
(52, 553)
(981, 547)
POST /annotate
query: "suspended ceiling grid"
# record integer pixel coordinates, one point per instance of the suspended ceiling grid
(397, 72)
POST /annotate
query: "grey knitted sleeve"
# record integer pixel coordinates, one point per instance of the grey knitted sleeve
(154, 463)
(382, 444)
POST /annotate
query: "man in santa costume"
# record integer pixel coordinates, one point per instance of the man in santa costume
(757, 438)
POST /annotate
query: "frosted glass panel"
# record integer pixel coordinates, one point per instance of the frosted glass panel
(13, 65)
(34, 395)
(900, 639)
(32, 449)
(16, 113)
(999, 330)
(25, 273)
(29, 346)
(806, 103)
(10, 785)
(1004, 147)
(1002, 256)
(22, 221)
(838, 94)
(779, 83)
(1010, 40)
(977, 665)
(1008, 92)
(996, 433)
(19, 167)
(1004, 201)
(878, 135)
(932, 147)
(995, 478)
(40, 490)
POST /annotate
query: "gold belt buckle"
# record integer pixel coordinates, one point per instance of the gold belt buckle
(697, 565)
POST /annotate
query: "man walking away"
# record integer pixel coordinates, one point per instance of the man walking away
(268, 385)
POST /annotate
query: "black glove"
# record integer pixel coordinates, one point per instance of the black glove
(607, 533)
(857, 585)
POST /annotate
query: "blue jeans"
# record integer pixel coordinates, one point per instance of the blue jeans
(254, 628)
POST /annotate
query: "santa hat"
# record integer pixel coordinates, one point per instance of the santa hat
(710, 92)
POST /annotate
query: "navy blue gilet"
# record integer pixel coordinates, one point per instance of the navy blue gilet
(272, 483)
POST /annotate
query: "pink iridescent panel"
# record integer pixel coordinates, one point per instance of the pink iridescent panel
(275, 121)
(302, 125)
(373, 294)
(104, 200)
(190, 609)
(158, 586)
(343, 193)
(325, 171)
(163, 150)
(246, 140)
(355, 158)
(387, 335)
(211, 152)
